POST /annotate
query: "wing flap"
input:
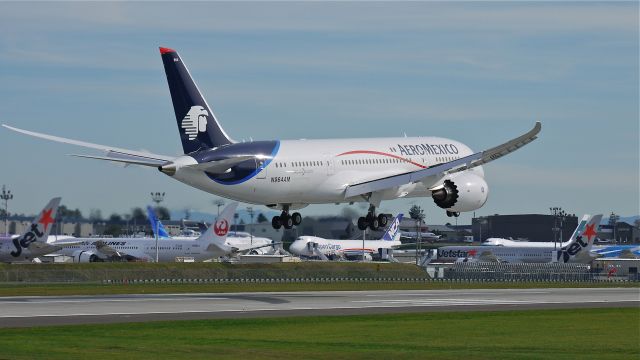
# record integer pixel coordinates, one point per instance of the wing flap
(461, 164)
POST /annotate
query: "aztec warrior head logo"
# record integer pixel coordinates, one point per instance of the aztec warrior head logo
(195, 121)
(221, 228)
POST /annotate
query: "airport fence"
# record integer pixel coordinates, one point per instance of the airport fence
(510, 272)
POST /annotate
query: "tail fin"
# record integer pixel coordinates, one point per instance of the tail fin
(39, 229)
(577, 247)
(198, 126)
(157, 224)
(393, 230)
(216, 234)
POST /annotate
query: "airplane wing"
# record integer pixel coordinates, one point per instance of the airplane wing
(461, 164)
(112, 153)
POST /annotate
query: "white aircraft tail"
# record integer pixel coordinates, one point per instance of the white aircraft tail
(578, 247)
(39, 229)
(216, 234)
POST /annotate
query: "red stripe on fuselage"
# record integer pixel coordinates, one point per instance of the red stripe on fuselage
(355, 152)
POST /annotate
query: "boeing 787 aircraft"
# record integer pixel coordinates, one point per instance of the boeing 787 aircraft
(291, 174)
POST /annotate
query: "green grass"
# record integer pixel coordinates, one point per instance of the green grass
(554, 334)
(100, 289)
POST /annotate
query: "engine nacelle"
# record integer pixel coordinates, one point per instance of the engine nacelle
(81, 256)
(461, 192)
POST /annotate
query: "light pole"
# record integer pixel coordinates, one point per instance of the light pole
(6, 196)
(218, 203)
(157, 197)
(558, 214)
(250, 211)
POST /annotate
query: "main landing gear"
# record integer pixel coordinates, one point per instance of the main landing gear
(285, 220)
(453, 213)
(371, 220)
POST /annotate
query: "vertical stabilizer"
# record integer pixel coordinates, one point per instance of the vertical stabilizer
(39, 229)
(199, 129)
(156, 224)
(393, 231)
(578, 248)
(216, 234)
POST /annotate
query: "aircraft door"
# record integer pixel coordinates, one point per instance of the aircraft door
(262, 169)
(329, 164)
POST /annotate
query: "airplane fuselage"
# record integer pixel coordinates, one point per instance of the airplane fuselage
(301, 172)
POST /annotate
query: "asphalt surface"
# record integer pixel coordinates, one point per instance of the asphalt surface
(60, 310)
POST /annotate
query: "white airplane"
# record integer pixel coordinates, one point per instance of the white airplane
(33, 242)
(311, 245)
(428, 236)
(574, 250)
(244, 242)
(211, 244)
(291, 174)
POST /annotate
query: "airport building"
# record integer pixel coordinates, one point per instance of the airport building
(526, 227)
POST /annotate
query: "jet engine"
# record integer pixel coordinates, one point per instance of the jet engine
(461, 192)
(81, 256)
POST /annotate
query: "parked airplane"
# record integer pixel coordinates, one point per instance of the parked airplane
(314, 246)
(211, 244)
(291, 174)
(574, 250)
(33, 242)
(244, 242)
(617, 251)
(413, 235)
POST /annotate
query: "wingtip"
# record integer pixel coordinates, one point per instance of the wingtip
(165, 50)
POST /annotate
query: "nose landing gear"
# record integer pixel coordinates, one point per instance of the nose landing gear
(452, 213)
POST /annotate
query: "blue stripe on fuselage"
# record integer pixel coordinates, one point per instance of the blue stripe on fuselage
(246, 170)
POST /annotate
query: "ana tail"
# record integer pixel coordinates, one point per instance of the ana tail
(393, 230)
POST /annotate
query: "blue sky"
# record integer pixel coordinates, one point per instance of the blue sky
(480, 73)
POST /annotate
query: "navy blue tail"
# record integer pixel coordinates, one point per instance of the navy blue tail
(199, 129)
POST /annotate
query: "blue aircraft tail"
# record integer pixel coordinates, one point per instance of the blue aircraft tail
(393, 230)
(156, 224)
(199, 129)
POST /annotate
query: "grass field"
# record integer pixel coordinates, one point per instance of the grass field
(553, 334)
(100, 289)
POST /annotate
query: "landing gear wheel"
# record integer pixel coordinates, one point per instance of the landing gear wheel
(456, 214)
(297, 218)
(362, 223)
(449, 213)
(382, 220)
(373, 222)
(275, 222)
(287, 222)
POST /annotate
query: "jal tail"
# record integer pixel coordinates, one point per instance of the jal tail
(216, 234)
(393, 231)
(199, 129)
(578, 248)
(40, 227)
(157, 224)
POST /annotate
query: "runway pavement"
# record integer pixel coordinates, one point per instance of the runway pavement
(59, 310)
